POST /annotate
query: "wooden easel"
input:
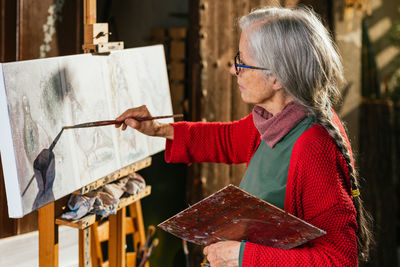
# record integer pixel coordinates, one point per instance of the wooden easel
(95, 37)
(95, 40)
(48, 224)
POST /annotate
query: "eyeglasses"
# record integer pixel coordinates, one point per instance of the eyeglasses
(239, 65)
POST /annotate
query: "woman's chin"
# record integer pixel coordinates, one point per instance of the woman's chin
(245, 98)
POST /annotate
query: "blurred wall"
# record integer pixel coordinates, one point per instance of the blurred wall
(132, 21)
(380, 127)
(383, 14)
(347, 33)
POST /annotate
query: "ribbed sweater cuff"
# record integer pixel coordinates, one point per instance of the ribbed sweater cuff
(175, 149)
(249, 251)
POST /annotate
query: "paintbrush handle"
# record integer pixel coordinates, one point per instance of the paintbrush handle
(92, 124)
(26, 188)
(110, 122)
(159, 117)
(148, 252)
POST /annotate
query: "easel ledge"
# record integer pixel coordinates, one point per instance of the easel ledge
(90, 219)
(115, 176)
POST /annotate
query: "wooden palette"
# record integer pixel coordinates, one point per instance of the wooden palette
(233, 214)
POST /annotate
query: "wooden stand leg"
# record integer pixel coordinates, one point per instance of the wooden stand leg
(139, 235)
(95, 246)
(48, 237)
(136, 213)
(89, 11)
(84, 247)
(116, 243)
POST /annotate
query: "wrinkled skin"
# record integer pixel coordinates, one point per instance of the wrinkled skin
(223, 254)
(150, 127)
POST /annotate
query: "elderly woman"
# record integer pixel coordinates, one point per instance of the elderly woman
(297, 151)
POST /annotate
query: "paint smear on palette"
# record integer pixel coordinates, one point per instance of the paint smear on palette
(233, 214)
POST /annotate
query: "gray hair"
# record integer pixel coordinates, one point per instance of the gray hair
(298, 50)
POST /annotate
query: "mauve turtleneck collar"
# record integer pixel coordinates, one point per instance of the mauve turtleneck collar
(273, 128)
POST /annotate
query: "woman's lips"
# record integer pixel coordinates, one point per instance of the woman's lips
(241, 88)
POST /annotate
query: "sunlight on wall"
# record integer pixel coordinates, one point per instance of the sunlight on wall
(380, 23)
(379, 29)
(375, 4)
(386, 56)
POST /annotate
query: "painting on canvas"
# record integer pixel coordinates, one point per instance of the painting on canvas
(39, 97)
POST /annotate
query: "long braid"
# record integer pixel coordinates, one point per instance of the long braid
(364, 219)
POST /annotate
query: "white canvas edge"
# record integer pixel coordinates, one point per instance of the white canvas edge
(14, 199)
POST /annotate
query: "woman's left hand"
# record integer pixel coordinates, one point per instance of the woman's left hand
(224, 253)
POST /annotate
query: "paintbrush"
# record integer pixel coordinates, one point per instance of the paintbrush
(148, 252)
(96, 124)
(110, 122)
(150, 232)
(186, 252)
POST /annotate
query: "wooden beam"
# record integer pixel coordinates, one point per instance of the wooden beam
(95, 246)
(84, 247)
(89, 11)
(19, 31)
(8, 30)
(139, 235)
(116, 242)
(48, 237)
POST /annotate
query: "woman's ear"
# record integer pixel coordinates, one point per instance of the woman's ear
(276, 85)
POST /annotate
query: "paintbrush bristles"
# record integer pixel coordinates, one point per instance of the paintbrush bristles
(148, 252)
(142, 253)
(155, 242)
(150, 232)
(151, 229)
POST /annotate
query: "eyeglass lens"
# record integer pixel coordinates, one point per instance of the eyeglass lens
(237, 62)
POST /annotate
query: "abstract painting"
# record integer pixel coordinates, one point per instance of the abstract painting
(39, 97)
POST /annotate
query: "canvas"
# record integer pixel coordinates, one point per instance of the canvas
(39, 97)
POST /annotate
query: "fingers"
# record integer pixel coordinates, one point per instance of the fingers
(128, 117)
(123, 128)
(131, 123)
(209, 252)
(223, 253)
(205, 251)
(138, 112)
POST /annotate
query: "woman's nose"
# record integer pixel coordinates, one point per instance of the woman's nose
(232, 70)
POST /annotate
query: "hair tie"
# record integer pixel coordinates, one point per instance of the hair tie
(355, 192)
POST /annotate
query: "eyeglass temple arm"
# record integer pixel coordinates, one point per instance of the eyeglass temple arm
(249, 67)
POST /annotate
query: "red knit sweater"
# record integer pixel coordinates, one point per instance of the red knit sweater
(317, 188)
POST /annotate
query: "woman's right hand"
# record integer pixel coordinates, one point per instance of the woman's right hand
(149, 127)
